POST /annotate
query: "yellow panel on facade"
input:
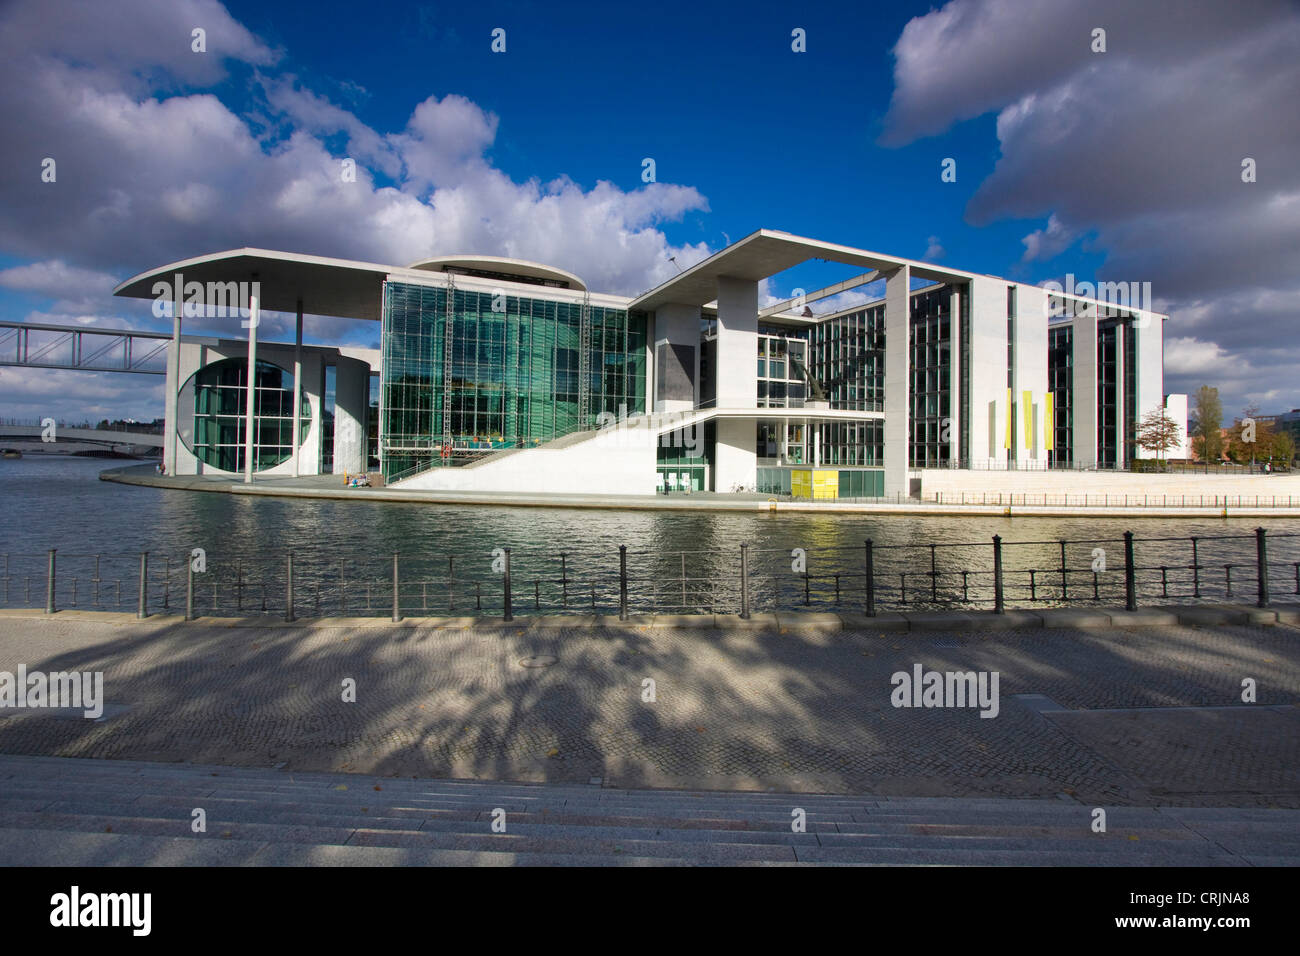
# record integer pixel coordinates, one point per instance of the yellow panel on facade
(1006, 438)
(815, 483)
(1049, 432)
(1027, 410)
(801, 483)
(826, 483)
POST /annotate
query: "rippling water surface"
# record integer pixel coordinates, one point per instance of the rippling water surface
(343, 552)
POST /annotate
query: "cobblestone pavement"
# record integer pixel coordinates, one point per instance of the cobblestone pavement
(1146, 716)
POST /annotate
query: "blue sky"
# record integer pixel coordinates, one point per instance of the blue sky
(1120, 165)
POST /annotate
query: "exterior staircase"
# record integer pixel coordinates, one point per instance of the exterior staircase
(77, 812)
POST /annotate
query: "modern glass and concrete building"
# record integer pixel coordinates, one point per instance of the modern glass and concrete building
(503, 375)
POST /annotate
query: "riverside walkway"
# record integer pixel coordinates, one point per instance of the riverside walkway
(1209, 505)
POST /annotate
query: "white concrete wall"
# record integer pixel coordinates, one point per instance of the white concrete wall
(1149, 330)
(617, 461)
(352, 398)
(898, 311)
(1176, 408)
(1031, 371)
(988, 370)
(1061, 482)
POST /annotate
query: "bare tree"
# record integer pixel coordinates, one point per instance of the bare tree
(1158, 432)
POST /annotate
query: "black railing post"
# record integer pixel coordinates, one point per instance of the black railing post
(397, 608)
(509, 610)
(744, 580)
(1196, 571)
(288, 589)
(622, 582)
(871, 579)
(1065, 589)
(142, 610)
(1130, 574)
(1261, 558)
(999, 603)
(49, 584)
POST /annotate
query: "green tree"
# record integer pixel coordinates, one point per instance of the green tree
(1206, 441)
(1250, 439)
(1283, 447)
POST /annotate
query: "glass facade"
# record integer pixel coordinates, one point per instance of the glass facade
(963, 300)
(220, 401)
(1130, 392)
(498, 379)
(930, 346)
(1060, 382)
(852, 443)
(782, 364)
(1108, 425)
(1011, 374)
(848, 359)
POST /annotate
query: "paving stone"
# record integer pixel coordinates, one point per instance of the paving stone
(1074, 617)
(684, 620)
(735, 621)
(1008, 620)
(883, 621)
(809, 619)
(1143, 617)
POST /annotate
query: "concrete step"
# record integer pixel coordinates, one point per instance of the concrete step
(94, 812)
(55, 848)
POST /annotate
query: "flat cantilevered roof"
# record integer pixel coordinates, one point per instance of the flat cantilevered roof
(354, 290)
(521, 270)
(338, 287)
(765, 253)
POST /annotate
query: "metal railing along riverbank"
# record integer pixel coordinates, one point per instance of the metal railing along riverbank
(502, 583)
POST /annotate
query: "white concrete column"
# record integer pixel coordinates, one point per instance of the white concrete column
(897, 392)
(737, 380)
(297, 390)
(737, 344)
(351, 402)
(678, 327)
(734, 456)
(1084, 399)
(250, 412)
(171, 412)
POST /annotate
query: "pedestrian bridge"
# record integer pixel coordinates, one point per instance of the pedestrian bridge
(102, 436)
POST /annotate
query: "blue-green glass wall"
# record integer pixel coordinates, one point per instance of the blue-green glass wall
(514, 373)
